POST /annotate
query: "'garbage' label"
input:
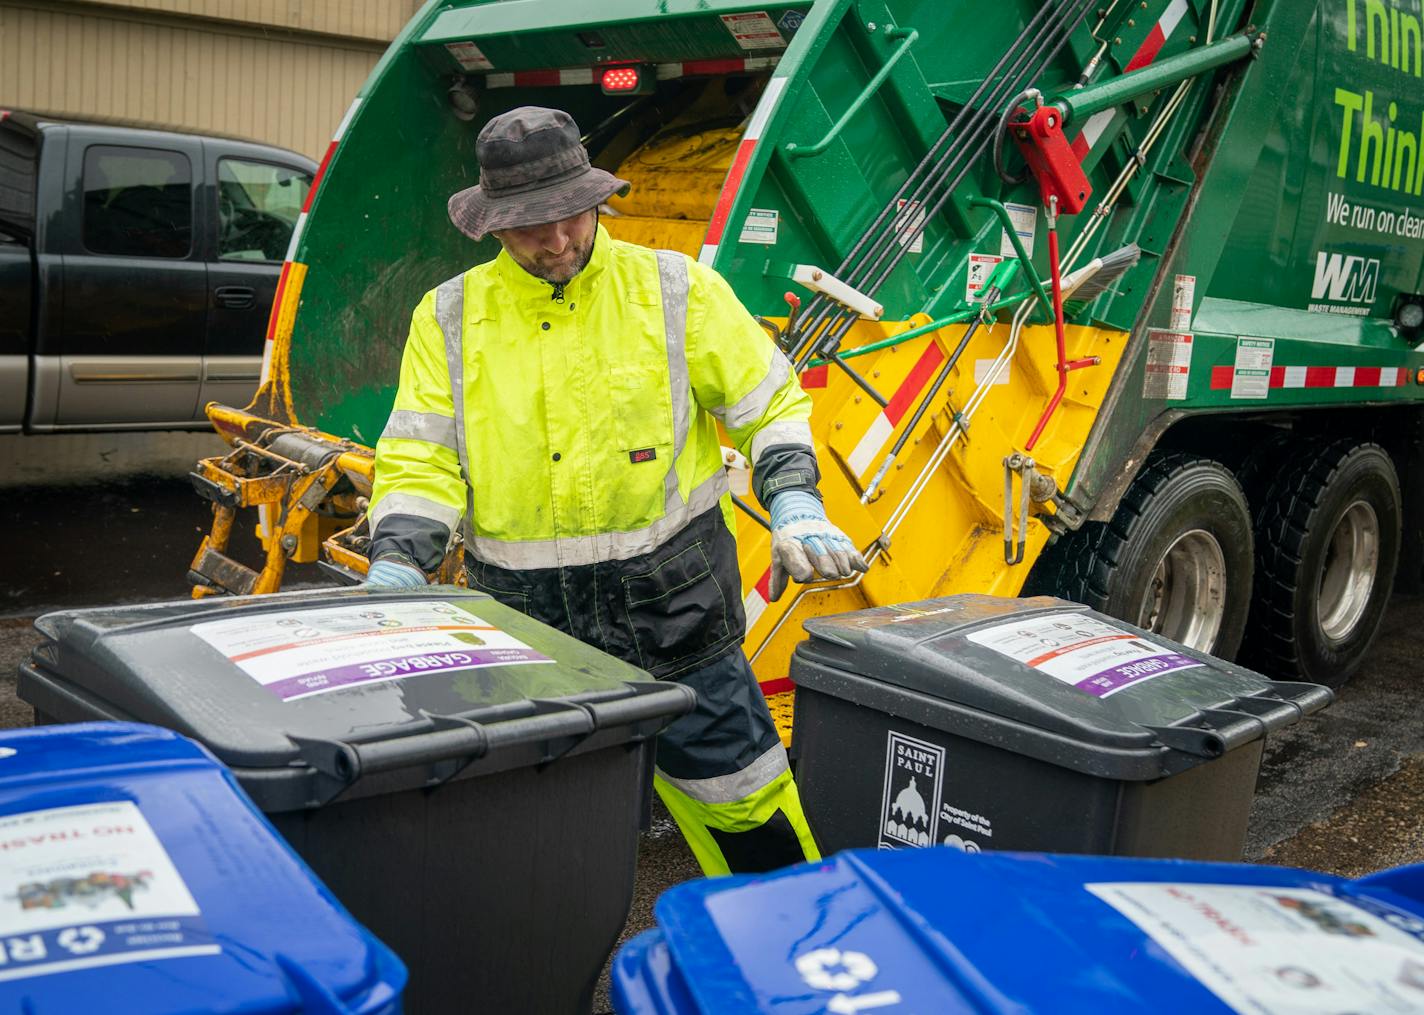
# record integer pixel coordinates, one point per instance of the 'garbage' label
(1095, 657)
(298, 653)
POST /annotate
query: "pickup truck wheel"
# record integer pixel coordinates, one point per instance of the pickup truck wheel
(1176, 559)
(1327, 538)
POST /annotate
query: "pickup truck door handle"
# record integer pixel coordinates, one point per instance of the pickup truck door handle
(235, 297)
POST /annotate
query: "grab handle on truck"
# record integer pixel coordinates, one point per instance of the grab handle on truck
(796, 151)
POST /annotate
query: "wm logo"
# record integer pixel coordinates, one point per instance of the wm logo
(1345, 278)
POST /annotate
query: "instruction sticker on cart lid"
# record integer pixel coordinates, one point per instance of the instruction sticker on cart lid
(1266, 949)
(299, 653)
(1091, 655)
(91, 885)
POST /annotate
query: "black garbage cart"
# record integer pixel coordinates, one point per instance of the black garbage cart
(1027, 724)
(467, 781)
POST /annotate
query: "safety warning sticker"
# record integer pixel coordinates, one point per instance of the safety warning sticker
(914, 780)
(761, 226)
(469, 56)
(754, 30)
(1025, 220)
(1262, 949)
(1091, 655)
(980, 267)
(304, 652)
(1169, 364)
(1184, 294)
(91, 885)
(1252, 376)
(910, 221)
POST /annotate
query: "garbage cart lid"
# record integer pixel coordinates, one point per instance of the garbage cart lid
(937, 930)
(1049, 679)
(346, 682)
(136, 878)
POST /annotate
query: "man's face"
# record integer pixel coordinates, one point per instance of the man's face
(556, 251)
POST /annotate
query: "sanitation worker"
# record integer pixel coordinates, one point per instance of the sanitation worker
(561, 401)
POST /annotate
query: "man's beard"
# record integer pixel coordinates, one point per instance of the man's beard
(557, 270)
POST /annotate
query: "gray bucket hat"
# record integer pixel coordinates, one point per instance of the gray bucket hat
(533, 170)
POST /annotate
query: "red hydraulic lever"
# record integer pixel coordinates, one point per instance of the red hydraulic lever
(1050, 157)
(1064, 365)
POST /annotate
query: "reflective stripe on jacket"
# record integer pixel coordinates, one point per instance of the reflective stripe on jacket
(588, 423)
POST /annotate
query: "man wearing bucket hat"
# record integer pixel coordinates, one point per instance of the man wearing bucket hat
(559, 406)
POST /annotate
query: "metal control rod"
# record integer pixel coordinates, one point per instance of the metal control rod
(982, 128)
(936, 177)
(914, 187)
(990, 296)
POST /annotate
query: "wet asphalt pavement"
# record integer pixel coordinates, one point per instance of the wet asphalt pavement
(94, 520)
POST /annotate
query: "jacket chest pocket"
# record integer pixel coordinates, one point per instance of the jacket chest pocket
(641, 406)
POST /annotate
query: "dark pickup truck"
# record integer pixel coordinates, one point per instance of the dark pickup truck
(137, 270)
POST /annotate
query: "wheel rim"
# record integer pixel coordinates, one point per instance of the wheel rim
(1186, 599)
(1347, 577)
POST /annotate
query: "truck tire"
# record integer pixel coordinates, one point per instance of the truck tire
(1176, 559)
(1327, 547)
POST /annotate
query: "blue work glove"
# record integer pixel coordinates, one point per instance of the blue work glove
(393, 574)
(804, 544)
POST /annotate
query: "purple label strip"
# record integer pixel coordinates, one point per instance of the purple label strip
(1115, 678)
(399, 667)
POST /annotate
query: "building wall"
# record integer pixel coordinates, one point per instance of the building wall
(277, 71)
(376, 20)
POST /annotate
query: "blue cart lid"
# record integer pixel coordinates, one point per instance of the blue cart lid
(937, 930)
(136, 877)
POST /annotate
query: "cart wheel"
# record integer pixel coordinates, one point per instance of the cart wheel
(1175, 559)
(1327, 546)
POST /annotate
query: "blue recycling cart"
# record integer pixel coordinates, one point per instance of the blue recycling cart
(937, 930)
(136, 877)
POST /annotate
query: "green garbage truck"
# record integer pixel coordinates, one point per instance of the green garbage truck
(1114, 299)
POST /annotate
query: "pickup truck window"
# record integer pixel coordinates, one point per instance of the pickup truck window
(138, 202)
(258, 205)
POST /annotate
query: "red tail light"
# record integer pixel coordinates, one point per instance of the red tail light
(624, 81)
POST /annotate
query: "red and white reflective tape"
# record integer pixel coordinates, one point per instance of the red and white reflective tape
(1321, 377)
(711, 68)
(541, 78)
(296, 236)
(267, 353)
(740, 161)
(1099, 122)
(883, 428)
(1157, 38)
(664, 72)
(298, 229)
(755, 601)
(330, 151)
(1092, 130)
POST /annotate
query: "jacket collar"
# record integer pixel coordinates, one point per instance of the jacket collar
(523, 286)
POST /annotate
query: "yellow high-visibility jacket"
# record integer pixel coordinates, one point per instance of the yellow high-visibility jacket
(587, 415)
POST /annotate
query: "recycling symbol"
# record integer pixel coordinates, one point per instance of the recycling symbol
(81, 940)
(833, 969)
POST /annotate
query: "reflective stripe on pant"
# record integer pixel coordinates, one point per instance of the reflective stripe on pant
(723, 774)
